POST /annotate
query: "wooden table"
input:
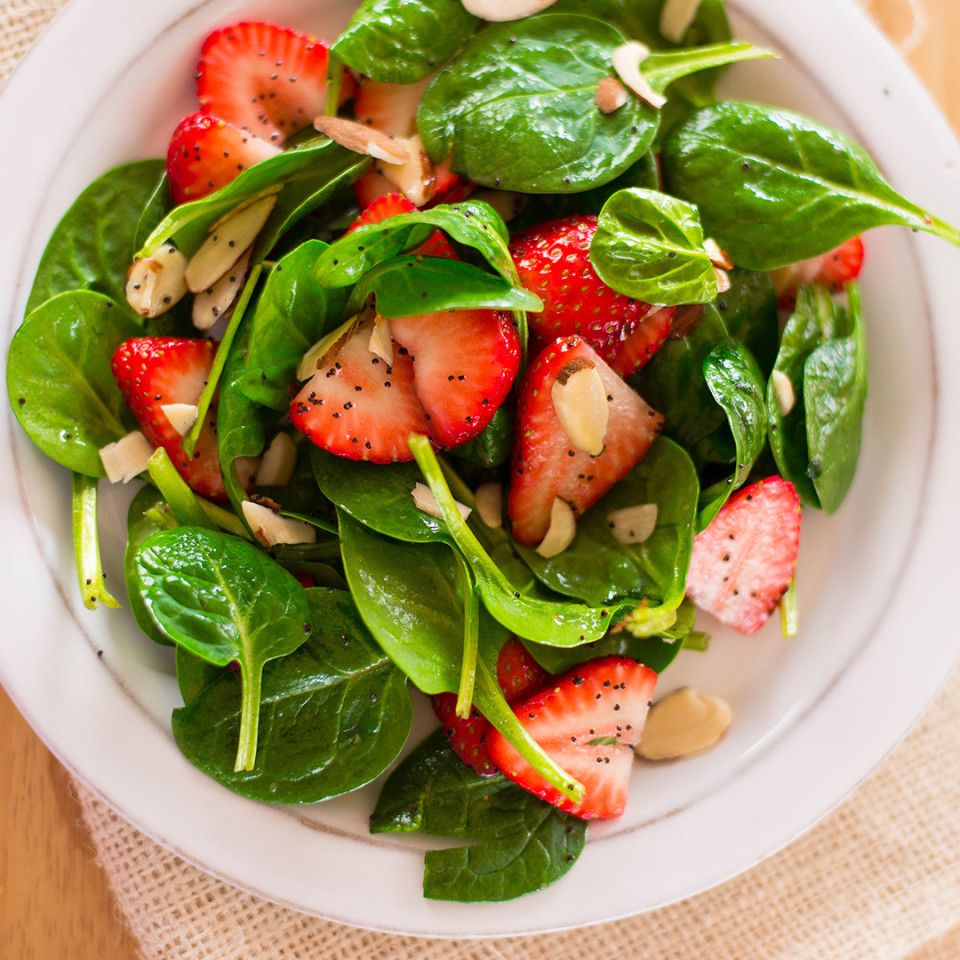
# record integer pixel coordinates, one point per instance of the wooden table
(54, 900)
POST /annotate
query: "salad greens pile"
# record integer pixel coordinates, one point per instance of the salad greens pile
(295, 694)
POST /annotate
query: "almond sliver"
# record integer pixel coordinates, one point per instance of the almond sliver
(182, 416)
(360, 138)
(562, 530)
(424, 500)
(676, 18)
(581, 405)
(626, 61)
(633, 524)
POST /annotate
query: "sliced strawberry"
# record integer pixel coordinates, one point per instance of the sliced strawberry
(389, 205)
(360, 407)
(588, 720)
(267, 79)
(390, 107)
(460, 389)
(744, 561)
(155, 371)
(518, 674)
(370, 186)
(207, 153)
(546, 465)
(553, 260)
(834, 269)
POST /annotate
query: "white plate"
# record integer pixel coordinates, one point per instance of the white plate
(813, 716)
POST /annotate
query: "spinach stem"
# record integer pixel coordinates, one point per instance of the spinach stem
(162, 516)
(471, 639)
(489, 537)
(250, 678)
(224, 519)
(220, 361)
(789, 614)
(173, 488)
(86, 544)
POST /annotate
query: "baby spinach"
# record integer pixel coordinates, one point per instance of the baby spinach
(403, 41)
(223, 600)
(749, 312)
(649, 246)
(86, 544)
(597, 568)
(519, 843)
(184, 503)
(492, 446)
(157, 206)
(410, 285)
(193, 674)
(774, 187)
(92, 246)
(142, 522)
(59, 380)
(333, 716)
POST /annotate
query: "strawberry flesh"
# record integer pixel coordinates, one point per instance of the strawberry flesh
(843, 265)
(744, 561)
(588, 720)
(545, 463)
(155, 371)
(518, 674)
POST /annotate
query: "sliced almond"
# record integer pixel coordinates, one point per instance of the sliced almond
(633, 524)
(424, 500)
(415, 178)
(562, 529)
(723, 280)
(360, 138)
(182, 416)
(227, 244)
(683, 723)
(489, 500)
(314, 357)
(507, 204)
(676, 18)
(270, 191)
(627, 59)
(157, 283)
(611, 95)
(783, 392)
(278, 462)
(718, 256)
(212, 304)
(381, 343)
(127, 458)
(581, 405)
(270, 528)
(499, 11)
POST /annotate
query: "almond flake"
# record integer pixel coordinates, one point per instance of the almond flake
(723, 280)
(718, 256)
(683, 723)
(562, 529)
(425, 500)
(633, 524)
(489, 501)
(381, 343)
(499, 11)
(360, 138)
(212, 304)
(611, 95)
(127, 458)
(278, 462)
(314, 357)
(157, 283)
(676, 18)
(182, 416)
(581, 405)
(783, 392)
(270, 528)
(414, 178)
(626, 61)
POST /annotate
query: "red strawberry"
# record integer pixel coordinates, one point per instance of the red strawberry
(206, 153)
(744, 561)
(268, 79)
(519, 675)
(390, 107)
(155, 371)
(371, 186)
(834, 269)
(588, 720)
(390, 205)
(553, 259)
(545, 463)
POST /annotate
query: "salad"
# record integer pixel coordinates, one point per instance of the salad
(471, 354)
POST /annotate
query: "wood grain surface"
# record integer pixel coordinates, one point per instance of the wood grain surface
(55, 903)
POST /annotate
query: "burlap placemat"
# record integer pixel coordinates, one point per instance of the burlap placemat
(879, 879)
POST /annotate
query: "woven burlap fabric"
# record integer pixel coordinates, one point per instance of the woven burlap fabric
(878, 880)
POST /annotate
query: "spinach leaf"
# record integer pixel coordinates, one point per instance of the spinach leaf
(492, 446)
(410, 285)
(292, 313)
(183, 502)
(142, 523)
(156, 207)
(519, 843)
(92, 246)
(749, 311)
(403, 41)
(193, 674)
(517, 110)
(302, 177)
(59, 380)
(86, 545)
(223, 600)
(649, 246)
(334, 714)
(597, 568)
(735, 380)
(774, 187)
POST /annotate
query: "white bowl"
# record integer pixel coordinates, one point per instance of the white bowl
(812, 716)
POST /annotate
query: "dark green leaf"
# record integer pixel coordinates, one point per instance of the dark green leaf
(749, 311)
(157, 206)
(59, 380)
(492, 446)
(774, 187)
(402, 41)
(139, 527)
(194, 674)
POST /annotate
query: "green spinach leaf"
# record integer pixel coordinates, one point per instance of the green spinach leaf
(403, 41)
(519, 844)
(59, 380)
(334, 714)
(491, 448)
(749, 311)
(193, 674)
(774, 187)
(142, 523)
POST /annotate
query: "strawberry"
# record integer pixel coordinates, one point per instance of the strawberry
(267, 79)
(588, 720)
(519, 675)
(206, 153)
(545, 463)
(155, 371)
(744, 561)
(553, 259)
(390, 205)
(834, 269)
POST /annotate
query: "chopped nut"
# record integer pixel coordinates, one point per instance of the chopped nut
(360, 138)
(278, 462)
(683, 723)
(381, 343)
(783, 392)
(633, 524)
(489, 500)
(499, 11)
(723, 280)
(677, 17)
(270, 528)
(718, 256)
(182, 416)
(425, 500)
(562, 529)
(212, 304)
(325, 346)
(626, 61)
(157, 283)
(611, 95)
(127, 458)
(581, 405)
(415, 178)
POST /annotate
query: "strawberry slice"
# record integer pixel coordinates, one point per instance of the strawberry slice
(553, 260)
(207, 153)
(834, 269)
(546, 465)
(390, 107)
(360, 407)
(390, 205)
(155, 371)
(460, 389)
(267, 79)
(744, 561)
(588, 720)
(519, 676)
